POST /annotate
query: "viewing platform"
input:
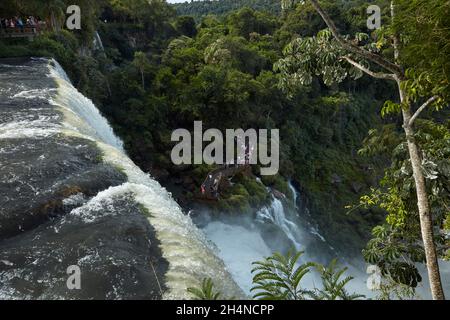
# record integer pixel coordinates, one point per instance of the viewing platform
(210, 187)
(25, 32)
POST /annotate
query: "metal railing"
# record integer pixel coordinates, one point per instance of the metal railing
(20, 32)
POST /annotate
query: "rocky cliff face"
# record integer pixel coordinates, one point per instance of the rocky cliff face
(69, 196)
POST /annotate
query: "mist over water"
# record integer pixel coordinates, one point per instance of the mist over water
(278, 227)
(238, 246)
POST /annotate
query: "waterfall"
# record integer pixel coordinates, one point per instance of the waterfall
(65, 112)
(190, 255)
(98, 43)
(242, 240)
(240, 244)
(276, 214)
(80, 112)
(275, 227)
(294, 193)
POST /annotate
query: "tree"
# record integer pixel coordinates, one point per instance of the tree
(335, 57)
(426, 48)
(287, 4)
(199, 9)
(278, 277)
(395, 245)
(141, 63)
(186, 26)
(56, 10)
(245, 21)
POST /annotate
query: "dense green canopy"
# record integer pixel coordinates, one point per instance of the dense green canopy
(249, 68)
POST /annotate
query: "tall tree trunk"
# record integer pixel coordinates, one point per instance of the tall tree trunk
(423, 205)
(53, 21)
(426, 221)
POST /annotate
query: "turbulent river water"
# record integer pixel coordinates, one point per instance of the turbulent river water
(70, 196)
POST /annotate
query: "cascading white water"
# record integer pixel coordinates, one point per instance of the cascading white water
(186, 249)
(275, 213)
(80, 112)
(241, 242)
(294, 193)
(98, 43)
(190, 256)
(313, 229)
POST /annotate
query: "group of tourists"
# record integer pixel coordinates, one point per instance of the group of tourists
(210, 187)
(21, 23)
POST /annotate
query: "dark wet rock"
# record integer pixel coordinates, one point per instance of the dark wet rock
(278, 194)
(66, 200)
(117, 253)
(46, 179)
(187, 180)
(159, 174)
(37, 175)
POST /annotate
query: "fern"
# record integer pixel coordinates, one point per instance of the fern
(206, 291)
(278, 278)
(333, 283)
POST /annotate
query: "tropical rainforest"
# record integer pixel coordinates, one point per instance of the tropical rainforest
(371, 181)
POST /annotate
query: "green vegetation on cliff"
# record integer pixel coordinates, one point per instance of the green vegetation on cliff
(160, 71)
(199, 9)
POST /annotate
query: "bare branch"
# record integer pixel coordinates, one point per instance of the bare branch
(375, 58)
(396, 39)
(378, 75)
(422, 107)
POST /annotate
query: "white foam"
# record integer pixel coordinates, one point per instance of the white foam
(276, 214)
(294, 193)
(189, 254)
(191, 257)
(34, 94)
(28, 129)
(85, 116)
